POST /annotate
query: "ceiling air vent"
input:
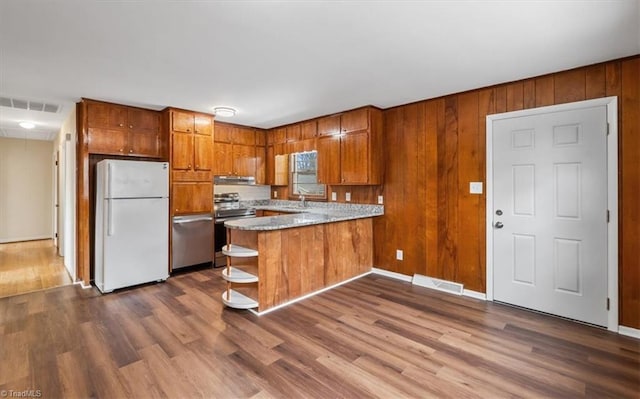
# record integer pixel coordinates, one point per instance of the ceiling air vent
(30, 105)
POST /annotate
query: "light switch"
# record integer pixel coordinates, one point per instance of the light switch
(475, 187)
(399, 254)
(334, 196)
(347, 197)
(275, 194)
(380, 200)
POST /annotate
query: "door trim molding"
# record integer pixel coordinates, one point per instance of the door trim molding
(612, 193)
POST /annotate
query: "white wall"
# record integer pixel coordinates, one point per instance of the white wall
(67, 194)
(26, 187)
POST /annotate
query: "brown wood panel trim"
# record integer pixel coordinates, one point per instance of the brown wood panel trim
(630, 195)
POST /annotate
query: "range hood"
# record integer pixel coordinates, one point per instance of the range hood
(234, 180)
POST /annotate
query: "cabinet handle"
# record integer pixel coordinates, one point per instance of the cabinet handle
(188, 130)
(189, 166)
(130, 151)
(122, 150)
(130, 126)
(121, 124)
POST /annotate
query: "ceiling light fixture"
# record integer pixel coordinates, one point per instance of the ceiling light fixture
(224, 111)
(27, 125)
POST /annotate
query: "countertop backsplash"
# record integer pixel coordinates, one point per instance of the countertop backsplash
(247, 193)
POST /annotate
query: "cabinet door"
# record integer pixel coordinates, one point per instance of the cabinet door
(105, 115)
(279, 136)
(142, 120)
(146, 144)
(329, 159)
(182, 122)
(261, 137)
(244, 160)
(294, 133)
(329, 125)
(107, 141)
(354, 158)
(182, 156)
(203, 154)
(261, 165)
(244, 136)
(222, 133)
(271, 166)
(222, 159)
(192, 197)
(203, 124)
(308, 130)
(354, 120)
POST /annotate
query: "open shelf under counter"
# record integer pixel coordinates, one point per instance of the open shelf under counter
(235, 275)
(237, 251)
(237, 300)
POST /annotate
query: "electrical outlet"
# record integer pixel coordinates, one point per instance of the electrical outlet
(380, 200)
(475, 187)
(399, 254)
(275, 194)
(334, 196)
(347, 197)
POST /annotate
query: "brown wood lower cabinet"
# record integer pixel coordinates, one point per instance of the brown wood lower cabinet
(297, 261)
(191, 197)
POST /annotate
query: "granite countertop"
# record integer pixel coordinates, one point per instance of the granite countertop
(313, 213)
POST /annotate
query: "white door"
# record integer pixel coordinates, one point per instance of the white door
(550, 213)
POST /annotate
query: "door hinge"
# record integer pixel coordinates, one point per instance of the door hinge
(607, 303)
(608, 216)
(56, 235)
(608, 128)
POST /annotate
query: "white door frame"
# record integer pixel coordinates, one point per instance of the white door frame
(612, 197)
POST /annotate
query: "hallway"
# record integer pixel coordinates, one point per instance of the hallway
(30, 266)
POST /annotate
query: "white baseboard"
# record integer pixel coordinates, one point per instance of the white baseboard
(394, 275)
(629, 332)
(19, 239)
(81, 284)
(475, 294)
(308, 295)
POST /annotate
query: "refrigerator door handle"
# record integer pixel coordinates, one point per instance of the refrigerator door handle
(109, 202)
(110, 217)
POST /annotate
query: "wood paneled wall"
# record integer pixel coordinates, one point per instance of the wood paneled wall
(434, 148)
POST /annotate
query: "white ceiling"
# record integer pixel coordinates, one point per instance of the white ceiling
(284, 61)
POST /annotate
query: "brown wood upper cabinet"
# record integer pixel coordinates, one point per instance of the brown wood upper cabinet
(236, 153)
(350, 148)
(114, 129)
(191, 144)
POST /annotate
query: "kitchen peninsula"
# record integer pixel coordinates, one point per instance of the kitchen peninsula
(274, 260)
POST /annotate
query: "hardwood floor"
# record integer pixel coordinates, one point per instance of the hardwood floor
(30, 266)
(373, 337)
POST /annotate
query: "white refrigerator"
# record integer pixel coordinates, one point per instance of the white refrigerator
(132, 223)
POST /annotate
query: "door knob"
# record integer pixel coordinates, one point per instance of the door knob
(499, 225)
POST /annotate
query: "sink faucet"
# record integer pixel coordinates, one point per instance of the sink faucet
(303, 201)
